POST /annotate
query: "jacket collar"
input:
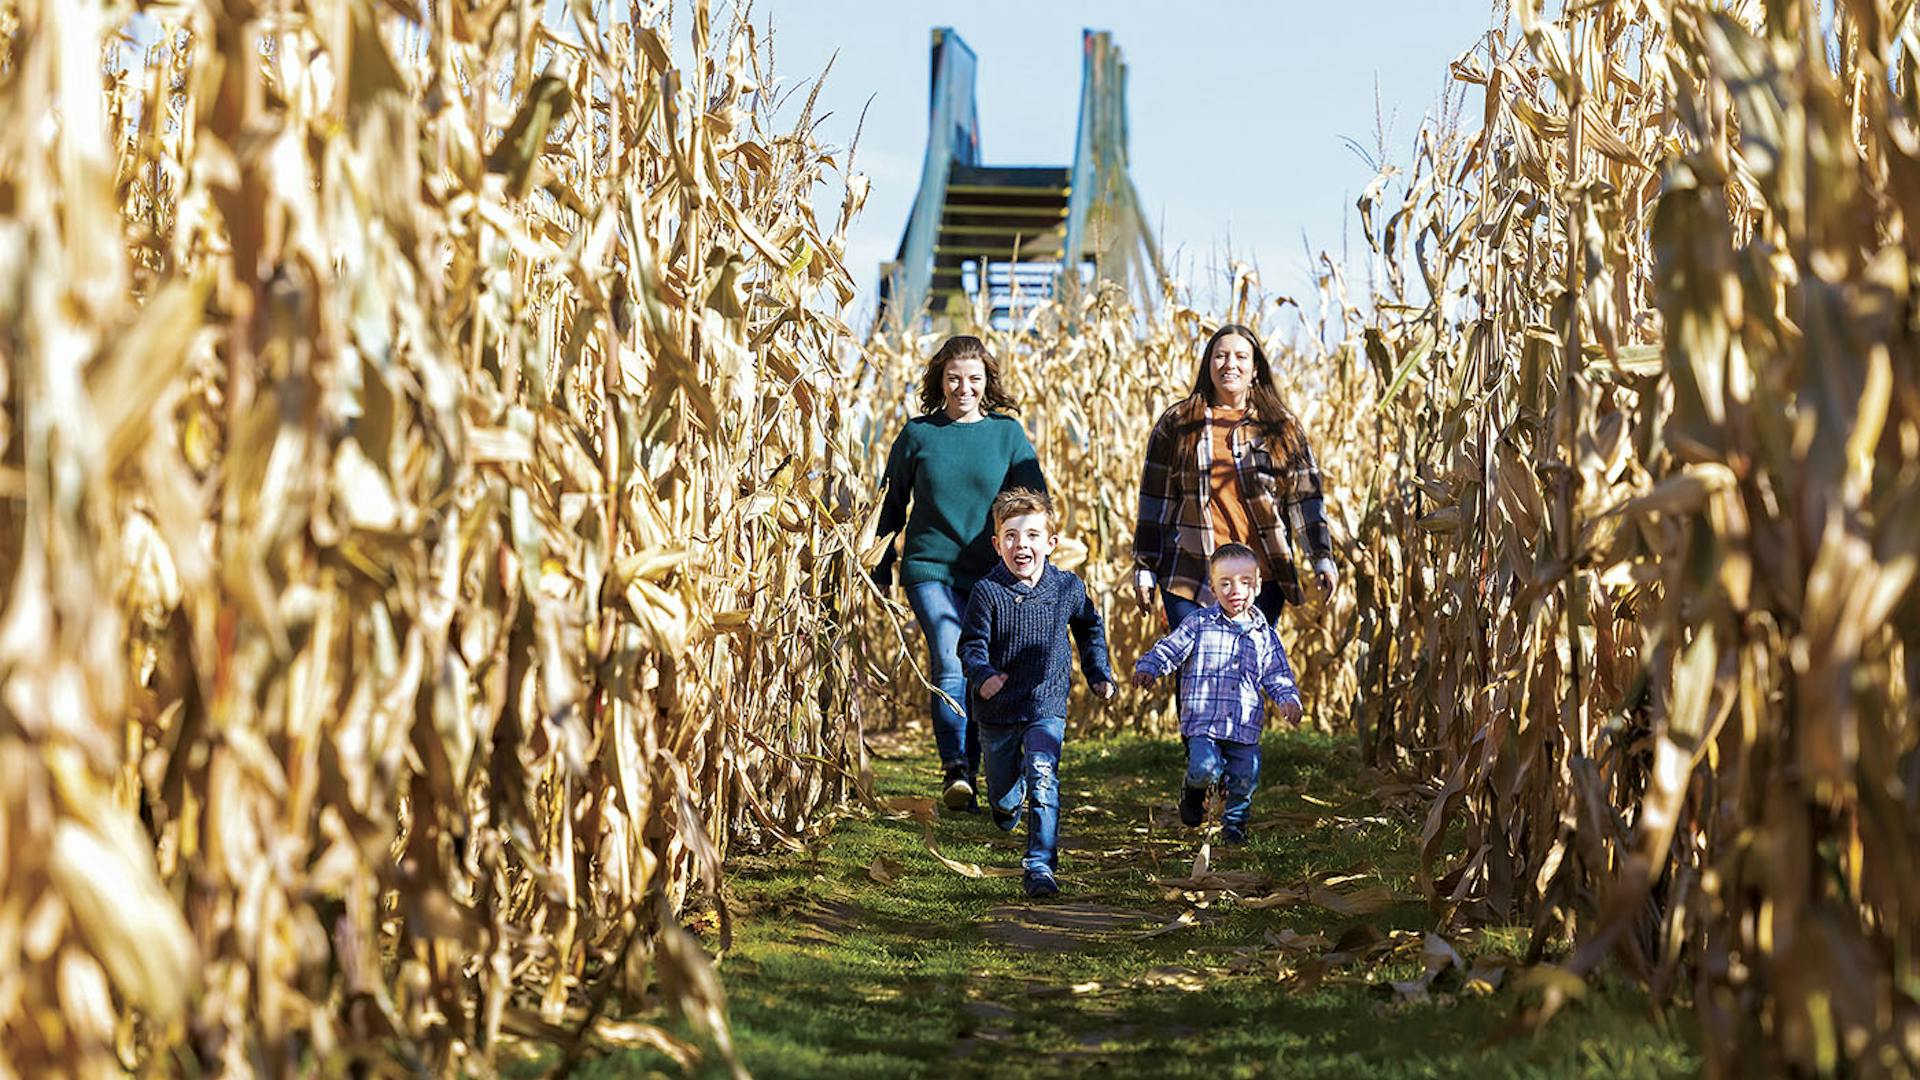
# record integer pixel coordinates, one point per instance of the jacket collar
(1194, 409)
(1000, 575)
(1257, 619)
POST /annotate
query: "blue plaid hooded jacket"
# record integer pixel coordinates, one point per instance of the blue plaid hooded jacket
(1225, 665)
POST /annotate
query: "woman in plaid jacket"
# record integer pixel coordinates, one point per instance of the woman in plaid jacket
(1229, 464)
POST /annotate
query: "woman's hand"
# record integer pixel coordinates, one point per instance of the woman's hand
(1142, 679)
(992, 686)
(1327, 577)
(1104, 691)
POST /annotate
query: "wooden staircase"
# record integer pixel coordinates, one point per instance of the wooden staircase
(1002, 229)
(997, 240)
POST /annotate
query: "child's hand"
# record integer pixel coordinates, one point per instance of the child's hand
(992, 686)
(1142, 679)
(1103, 690)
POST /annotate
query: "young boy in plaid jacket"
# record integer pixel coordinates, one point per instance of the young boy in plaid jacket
(1227, 654)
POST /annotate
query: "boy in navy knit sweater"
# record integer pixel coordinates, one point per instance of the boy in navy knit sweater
(1015, 653)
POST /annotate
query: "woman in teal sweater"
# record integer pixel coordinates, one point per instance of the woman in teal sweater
(944, 470)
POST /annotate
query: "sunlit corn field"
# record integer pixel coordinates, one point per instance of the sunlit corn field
(438, 487)
(426, 529)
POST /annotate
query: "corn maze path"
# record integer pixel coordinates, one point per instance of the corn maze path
(1304, 953)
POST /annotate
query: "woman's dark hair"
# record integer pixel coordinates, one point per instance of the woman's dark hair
(933, 396)
(1270, 413)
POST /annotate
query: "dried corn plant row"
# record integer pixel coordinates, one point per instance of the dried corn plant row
(1642, 601)
(423, 482)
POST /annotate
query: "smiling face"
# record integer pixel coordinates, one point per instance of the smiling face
(1231, 362)
(1024, 542)
(964, 382)
(1235, 582)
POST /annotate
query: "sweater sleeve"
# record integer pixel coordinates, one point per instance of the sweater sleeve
(1169, 652)
(1152, 529)
(1023, 465)
(1090, 633)
(896, 487)
(976, 627)
(1278, 681)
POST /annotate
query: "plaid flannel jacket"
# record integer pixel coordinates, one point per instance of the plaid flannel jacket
(1224, 667)
(1173, 535)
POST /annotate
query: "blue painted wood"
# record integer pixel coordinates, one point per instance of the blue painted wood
(953, 136)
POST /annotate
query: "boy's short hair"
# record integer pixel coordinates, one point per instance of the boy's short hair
(1014, 502)
(1227, 552)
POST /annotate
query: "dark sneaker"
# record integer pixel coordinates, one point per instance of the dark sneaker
(1003, 820)
(958, 793)
(1040, 885)
(1232, 836)
(1193, 805)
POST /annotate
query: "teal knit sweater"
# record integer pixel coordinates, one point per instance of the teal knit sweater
(950, 474)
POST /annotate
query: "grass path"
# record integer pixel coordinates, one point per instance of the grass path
(869, 958)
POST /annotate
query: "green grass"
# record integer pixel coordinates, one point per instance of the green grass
(836, 975)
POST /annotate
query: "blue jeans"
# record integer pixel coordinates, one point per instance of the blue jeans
(1268, 600)
(1023, 769)
(938, 607)
(1234, 764)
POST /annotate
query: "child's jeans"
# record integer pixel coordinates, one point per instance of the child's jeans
(1023, 765)
(1211, 760)
(939, 606)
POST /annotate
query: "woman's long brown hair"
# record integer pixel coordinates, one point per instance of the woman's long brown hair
(1270, 411)
(933, 396)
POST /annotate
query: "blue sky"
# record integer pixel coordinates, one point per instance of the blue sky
(1238, 111)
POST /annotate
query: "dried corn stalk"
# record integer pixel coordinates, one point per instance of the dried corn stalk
(424, 526)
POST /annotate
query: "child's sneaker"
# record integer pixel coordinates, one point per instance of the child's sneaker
(1233, 836)
(958, 792)
(1040, 885)
(1003, 820)
(1193, 805)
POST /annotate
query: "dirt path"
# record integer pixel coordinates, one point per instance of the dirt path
(1300, 954)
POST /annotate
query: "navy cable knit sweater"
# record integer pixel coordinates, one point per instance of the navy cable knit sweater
(1020, 630)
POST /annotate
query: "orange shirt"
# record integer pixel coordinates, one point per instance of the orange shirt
(1226, 508)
